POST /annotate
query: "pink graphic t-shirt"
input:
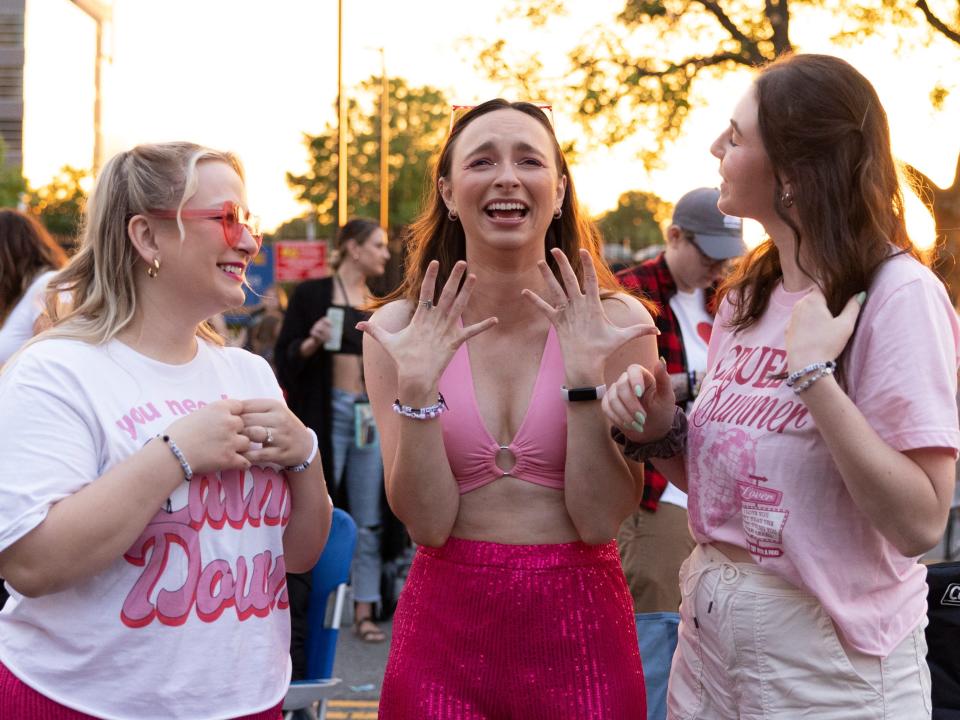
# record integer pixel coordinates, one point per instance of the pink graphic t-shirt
(760, 474)
(192, 622)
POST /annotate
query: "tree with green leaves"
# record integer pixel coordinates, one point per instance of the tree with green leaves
(635, 221)
(60, 203)
(626, 78)
(419, 118)
(12, 184)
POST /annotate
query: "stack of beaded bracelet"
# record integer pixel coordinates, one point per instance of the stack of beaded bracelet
(815, 370)
(425, 413)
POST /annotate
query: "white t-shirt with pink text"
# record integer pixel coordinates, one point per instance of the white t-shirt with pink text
(761, 476)
(192, 622)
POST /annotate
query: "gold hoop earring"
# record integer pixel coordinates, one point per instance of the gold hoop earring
(154, 268)
(558, 213)
(451, 216)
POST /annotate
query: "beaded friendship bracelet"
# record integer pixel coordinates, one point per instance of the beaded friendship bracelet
(187, 471)
(825, 368)
(822, 372)
(425, 413)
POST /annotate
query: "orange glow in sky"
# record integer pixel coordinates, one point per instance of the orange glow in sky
(253, 77)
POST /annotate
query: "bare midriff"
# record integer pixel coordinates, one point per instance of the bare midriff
(514, 512)
(346, 373)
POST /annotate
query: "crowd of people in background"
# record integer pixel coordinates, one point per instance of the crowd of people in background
(697, 488)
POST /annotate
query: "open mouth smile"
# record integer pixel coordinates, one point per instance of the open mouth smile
(506, 210)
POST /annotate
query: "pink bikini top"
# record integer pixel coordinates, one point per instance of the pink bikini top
(540, 445)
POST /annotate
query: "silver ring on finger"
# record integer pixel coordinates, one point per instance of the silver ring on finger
(428, 304)
(269, 438)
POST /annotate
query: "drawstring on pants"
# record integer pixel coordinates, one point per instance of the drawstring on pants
(729, 575)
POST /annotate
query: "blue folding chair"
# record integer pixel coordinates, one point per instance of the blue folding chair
(329, 577)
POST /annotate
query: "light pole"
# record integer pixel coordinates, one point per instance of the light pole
(384, 143)
(101, 13)
(341, 126)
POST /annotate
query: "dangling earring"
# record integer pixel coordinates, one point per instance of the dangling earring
(154, 268)
(451, 216)
(557, 213)
(787, 198)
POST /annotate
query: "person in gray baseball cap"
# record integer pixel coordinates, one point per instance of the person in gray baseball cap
(654, 541)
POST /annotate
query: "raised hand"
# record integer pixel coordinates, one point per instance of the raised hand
(641, 403)
(283, 439)
(424, 348)
(211, 438)
(814, 334)
(587, 338)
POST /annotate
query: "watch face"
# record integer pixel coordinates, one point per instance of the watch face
(581, 394)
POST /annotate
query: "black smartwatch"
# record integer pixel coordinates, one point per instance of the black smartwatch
(583, 394)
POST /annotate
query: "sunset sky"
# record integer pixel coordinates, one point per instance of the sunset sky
(254, 76)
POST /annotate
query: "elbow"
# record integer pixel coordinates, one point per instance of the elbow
(596, 533)
(918, 543)
(30, 584)
(429, 537)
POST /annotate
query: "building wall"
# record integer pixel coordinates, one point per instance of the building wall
(11, 79)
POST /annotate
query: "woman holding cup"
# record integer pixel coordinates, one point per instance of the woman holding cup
(320, 365)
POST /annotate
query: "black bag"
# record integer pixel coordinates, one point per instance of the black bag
(943, 638)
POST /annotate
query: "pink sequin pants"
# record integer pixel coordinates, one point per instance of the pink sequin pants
(19, 701)
(486, 631)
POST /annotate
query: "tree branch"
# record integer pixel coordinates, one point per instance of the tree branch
(779, 16)
(750, 48)
(956, 178)
(937, 23)
(698, 63)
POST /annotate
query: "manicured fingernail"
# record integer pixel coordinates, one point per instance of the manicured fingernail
(638, 390)
(663, 361)
(640, 416)
(637, 426)
(862, 297)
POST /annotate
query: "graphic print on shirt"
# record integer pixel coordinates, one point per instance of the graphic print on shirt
(742, 402)
(178, 576)
(704, 330)
(763, 520)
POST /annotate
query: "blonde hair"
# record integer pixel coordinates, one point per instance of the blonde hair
(100, 278)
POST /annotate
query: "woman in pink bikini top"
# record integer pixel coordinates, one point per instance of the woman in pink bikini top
(485, 369)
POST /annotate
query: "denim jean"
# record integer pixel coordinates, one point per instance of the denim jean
(657, 634)
(362, 471)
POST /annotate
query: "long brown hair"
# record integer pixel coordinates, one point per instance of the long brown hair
(825, 133)
(26, 250)
(433, 236)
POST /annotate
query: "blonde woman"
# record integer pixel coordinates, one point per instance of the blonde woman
(154, 487)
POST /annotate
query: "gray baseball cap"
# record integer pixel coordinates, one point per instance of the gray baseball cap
(717, 235)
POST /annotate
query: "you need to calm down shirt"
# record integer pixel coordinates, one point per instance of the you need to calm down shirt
(191, 623)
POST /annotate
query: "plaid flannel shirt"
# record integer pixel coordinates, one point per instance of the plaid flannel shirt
(652, 279)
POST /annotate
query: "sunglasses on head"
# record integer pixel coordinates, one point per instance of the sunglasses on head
(458, 111)
(233, 220)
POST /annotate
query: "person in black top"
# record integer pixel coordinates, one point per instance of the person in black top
(319, 364)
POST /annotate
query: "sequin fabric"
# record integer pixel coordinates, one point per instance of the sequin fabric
(485, 631)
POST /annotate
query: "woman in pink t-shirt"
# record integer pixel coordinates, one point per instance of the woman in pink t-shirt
(819, 456)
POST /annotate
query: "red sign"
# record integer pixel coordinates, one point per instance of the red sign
(300, 260)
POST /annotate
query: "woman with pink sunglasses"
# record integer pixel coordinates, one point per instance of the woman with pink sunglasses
(154, 487)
